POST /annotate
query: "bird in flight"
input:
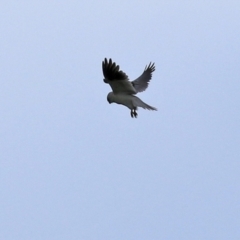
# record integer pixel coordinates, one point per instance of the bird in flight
(123, 90)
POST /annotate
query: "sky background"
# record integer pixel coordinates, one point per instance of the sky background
(74, 167)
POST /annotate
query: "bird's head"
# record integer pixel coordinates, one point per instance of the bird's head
(109, 97)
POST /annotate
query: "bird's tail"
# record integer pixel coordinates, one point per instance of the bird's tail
(137, 102)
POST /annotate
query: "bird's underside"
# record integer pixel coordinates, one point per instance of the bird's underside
(123, 90)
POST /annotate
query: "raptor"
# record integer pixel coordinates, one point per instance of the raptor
(124, 90)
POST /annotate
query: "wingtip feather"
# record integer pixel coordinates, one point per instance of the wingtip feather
(111, 70)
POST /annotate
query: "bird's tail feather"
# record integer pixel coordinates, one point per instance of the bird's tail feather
(137, 102)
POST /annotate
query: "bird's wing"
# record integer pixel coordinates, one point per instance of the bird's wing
(117, 79)
(141, 83)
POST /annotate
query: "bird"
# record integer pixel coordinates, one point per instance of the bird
(124, 90)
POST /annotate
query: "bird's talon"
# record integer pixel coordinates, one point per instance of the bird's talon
(133, 113)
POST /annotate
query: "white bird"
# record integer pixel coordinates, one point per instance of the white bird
(123, 90)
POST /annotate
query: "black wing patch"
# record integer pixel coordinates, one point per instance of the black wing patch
(111, 71)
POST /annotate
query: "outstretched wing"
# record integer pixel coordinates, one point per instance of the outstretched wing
(141, 83)
(117, 79)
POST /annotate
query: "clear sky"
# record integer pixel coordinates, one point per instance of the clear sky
(74, 167)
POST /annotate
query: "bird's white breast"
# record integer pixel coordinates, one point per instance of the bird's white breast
(123, 99)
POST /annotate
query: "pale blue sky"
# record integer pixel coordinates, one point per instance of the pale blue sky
(75, 167)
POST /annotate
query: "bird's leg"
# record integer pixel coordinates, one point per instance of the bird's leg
(133, 113)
